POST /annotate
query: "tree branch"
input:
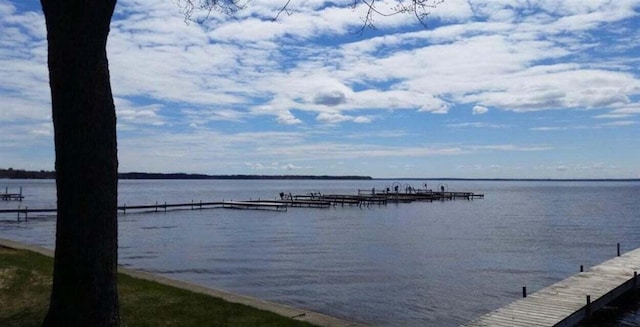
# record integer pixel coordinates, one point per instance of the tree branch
(283, 9)
(420, 9)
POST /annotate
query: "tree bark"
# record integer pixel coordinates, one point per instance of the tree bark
(84, 289)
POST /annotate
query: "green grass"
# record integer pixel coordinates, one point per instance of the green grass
(25, 285)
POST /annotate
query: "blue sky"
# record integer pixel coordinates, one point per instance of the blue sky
(491, 89)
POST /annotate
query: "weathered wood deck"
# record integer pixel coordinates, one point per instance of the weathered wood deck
(570, 301)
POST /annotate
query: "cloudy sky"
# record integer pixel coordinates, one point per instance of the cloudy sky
(532, 89)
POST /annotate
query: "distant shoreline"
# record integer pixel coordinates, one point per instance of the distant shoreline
(516, 179)
(185, 176)
(26, 174)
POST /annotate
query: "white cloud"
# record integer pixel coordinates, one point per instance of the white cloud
(305, 73)
(622, 112)
(621, 123)
(501, 54)
(479, 110)
(287, 118)
(332, 118)
(477, 125)
(512, 147)
(362, 119)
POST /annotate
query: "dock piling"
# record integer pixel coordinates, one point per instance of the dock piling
(572, 300)
(581, 268)
(618, 249)
(6, 196)
(524, 291)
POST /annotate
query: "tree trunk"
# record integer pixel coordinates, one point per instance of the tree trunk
(84, 289)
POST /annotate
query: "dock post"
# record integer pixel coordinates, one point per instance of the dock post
(588, 307)
(165, 206)
(635, 281)
(524, 291)
(618, 249)
(156, 206)
(21, 197)
(581, 268)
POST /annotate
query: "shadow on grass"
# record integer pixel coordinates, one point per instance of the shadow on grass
(25, 285)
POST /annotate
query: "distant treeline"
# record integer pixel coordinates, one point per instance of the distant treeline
(26, 174)
(42, 174)
(202, 176)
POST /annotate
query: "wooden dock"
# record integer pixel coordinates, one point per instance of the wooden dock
(310, 200)
(6, 196)
(23, 213)
(570, 301)
(382, 198)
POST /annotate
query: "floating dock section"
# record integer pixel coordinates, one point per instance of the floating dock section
(369, 197)
(570, 301)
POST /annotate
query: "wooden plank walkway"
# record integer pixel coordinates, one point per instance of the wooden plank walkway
(570, 301)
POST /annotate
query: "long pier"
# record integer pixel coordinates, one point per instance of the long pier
(570, 301)
(310, 200)
(23, 213)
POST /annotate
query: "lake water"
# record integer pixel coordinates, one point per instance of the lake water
(415, 264)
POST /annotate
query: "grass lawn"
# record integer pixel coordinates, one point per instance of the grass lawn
(25, 285)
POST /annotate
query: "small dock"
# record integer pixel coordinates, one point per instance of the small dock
(6, 196)
(570, 301)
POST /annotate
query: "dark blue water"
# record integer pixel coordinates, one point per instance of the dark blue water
(439, 263)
